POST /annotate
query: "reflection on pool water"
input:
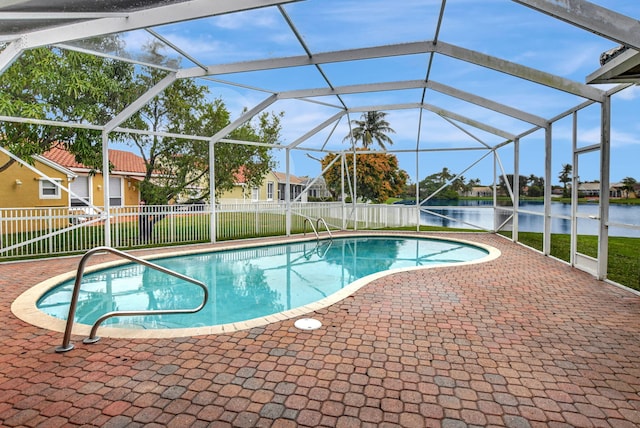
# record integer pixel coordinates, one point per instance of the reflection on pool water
(246, 283)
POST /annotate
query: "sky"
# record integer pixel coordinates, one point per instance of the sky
(500, 28)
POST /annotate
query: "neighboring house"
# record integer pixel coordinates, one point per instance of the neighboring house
(479, 192)
(592, 190)
(296, 184)
(272, 189)
(21, 187)
(317, 190)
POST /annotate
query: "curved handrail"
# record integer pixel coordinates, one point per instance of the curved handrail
(304, 227)
(67, 346)
(326, 226)
(316, 227)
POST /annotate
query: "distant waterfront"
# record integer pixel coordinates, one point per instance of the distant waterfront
(482, 216)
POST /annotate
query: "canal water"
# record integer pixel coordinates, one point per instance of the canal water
(480, 213)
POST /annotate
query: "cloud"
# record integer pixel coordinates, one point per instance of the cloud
(265, 17)
(629, 94)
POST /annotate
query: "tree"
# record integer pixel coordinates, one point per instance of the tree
(372, 127)
(430, 185)
(565, 177)
(378, 176)
(445, 175)
(179, 164)
(57, 84)
(459, 184)
(629, 185)
(522, 181)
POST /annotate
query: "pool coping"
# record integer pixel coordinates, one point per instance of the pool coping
(24, 307)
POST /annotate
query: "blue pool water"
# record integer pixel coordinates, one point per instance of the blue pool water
(246, 283)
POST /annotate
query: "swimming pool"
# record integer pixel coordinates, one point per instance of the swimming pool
(249, 286)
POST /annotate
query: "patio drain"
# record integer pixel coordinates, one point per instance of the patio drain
(307, 324)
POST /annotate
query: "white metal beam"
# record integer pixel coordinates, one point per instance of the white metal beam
(384, 107)
(439, 111)
(243, 118)
(457, 125)
(616, 70)
(319, 58)
(521, 71)
(66, 16)
(183, 11)
(417, 84)
(468, 121)
(488, 104)
(10, 53)
(317, 129)
(353, 89)
(140, 102)
(591, 17)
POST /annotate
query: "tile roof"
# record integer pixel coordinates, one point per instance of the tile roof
(240, 178)
(123, 161)
(282, 178)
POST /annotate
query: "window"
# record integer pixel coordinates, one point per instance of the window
(49, 190)
(115, 191)
(270, 191)
(79, 186)
(255, 194)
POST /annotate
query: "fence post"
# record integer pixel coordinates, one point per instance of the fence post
(50, 229)
(257, 230)
(172, 223)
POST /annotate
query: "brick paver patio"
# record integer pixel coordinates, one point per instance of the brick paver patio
(519, 341)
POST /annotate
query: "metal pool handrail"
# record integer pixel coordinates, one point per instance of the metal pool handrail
(315, 228)
(67, 346)
(326, 226)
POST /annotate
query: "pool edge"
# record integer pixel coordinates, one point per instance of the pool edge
(24, 307)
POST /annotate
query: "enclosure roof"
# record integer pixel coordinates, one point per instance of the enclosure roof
(432, 60)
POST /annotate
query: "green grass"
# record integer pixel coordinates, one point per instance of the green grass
(624, 253)
(623, 263)
(433, 229)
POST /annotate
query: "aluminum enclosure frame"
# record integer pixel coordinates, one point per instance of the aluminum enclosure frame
(59, 26)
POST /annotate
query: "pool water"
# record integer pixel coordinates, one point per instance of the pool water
(246, 283)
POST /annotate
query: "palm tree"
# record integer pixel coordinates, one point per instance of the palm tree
(372, 127)
(565, 177)
(628, 185)
(445, 175)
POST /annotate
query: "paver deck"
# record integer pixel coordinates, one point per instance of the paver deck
(520, 341)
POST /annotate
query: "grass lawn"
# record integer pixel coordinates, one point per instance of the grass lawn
(623, 263)
(624, 253)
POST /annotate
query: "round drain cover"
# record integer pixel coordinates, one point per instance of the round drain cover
(308, 324)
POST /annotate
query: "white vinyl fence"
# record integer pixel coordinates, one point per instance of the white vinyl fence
(32, 232)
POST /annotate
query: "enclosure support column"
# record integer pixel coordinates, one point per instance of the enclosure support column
(575, 182)
(355, 193)
(212, 191)
(105, 188)
(516, 189)
(605, 160)
(495, 191)
(342, 198)
(287, 192)
(546, 243)
(418, 190)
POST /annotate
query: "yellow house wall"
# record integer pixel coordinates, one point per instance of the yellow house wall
(130, 194)
(27, 194)
(263, 187)
(237, 192)
(50, 214)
